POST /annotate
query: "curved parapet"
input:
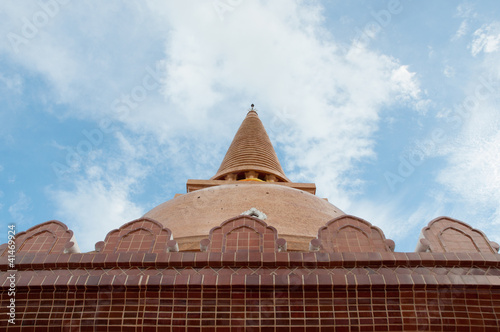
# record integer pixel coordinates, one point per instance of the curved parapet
(140, 235)
(351, 234)
(445, 234)
(243, 233)
(51, 237)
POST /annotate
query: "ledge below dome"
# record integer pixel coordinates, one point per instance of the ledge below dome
(294, 242)
(193, 185)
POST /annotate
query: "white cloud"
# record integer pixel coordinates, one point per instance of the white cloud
(406, 83)
(275, 54)
(333, 99)
(282, 62)
(75, 54)
(486, 39)
(449, 71)
(19, 209)
(14, 83)
(97, 203)
(95, 208)
(474, 171)
(462, 30)
(387, 215)
(467, 13)
(100, 198)
(472, 174)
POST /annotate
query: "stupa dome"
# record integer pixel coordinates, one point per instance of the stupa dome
(296, 214)
(250, 178)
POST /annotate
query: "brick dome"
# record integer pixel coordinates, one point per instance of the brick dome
(295, 214)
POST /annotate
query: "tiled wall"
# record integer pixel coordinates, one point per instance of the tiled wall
(188, 309)
(247, 280)
(257, 291)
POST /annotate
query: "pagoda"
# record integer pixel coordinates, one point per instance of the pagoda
(249, 249)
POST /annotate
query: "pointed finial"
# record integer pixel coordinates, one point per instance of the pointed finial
(252, 109)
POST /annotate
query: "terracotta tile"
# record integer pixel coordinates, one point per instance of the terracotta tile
(322, 259)
(349, 259)
(282, 259)
(154, 280)
(456, 280)
(309, 259)
(181, 281)
(414, 258)
(215, 259)
(86, 261)
(175, 259)
(295, 258)
(228, 259)
(201, 259)
(418, 280)
(363, 258)
(464, 259)
(241, 258)
(237, 281)
(491, 259)
(256, 258)
(21, 259)
(62, 281)
(376, 279)
(363, 281)
(82, 281)
(252, 281)
(336, 259)
(92, 282)
(124, 259)
(188, 258)
(401, 258)
(195, 281)
(494, 281)
(439, 258)
(451, 258)
(22, 280)
(388, 259)
(150, 259)
(98, 260)
(137, 258)
(339, 281)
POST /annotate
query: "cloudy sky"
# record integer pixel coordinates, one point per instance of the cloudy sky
(391, 107)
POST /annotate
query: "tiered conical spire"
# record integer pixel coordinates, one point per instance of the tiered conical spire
(251, 155)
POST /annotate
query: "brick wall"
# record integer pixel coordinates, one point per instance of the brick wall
(195, 309)
(260, 291)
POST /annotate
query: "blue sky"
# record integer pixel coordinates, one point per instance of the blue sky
(391, 107)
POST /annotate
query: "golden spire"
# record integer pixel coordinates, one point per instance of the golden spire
(251, 155)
